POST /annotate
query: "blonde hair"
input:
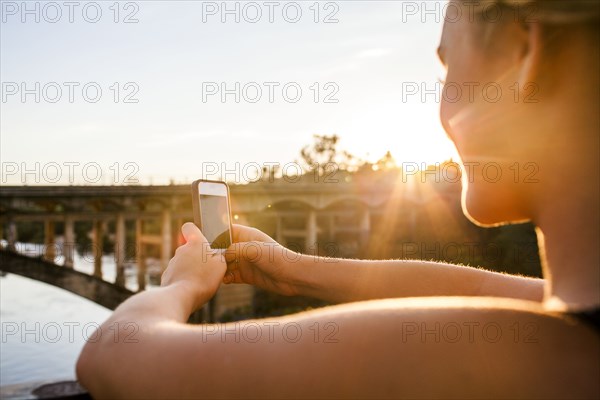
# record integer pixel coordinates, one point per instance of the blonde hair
(547, 11)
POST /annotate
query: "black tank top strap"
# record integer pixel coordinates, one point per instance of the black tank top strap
(589, 317)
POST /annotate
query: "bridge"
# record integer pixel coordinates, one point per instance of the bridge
(142, 223)
(84, 285)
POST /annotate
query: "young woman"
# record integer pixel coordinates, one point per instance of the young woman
(438, 330)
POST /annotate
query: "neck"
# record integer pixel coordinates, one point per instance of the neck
(568, 214)
(571, 259)
(569, 234)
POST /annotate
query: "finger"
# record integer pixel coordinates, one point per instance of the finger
(232, 254)
(237, 277)
(234, 277)
(242, 233)
(229, 277)
(240, 252)
(192, 234)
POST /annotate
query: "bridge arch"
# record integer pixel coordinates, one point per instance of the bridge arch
(84, 285)
(347, 202)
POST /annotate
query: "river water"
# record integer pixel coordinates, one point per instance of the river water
(44, 328)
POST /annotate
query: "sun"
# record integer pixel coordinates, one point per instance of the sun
(413, 134)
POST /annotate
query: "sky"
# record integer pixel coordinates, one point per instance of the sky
(141, 87)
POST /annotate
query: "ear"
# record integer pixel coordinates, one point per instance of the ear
(529, 66)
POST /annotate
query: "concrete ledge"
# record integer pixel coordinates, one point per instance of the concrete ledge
(44, 390)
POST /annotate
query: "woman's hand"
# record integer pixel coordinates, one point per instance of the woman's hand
(257, 259)
(195, 266)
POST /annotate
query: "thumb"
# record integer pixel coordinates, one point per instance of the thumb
(192, 234)
(249, 252)
(234, 253)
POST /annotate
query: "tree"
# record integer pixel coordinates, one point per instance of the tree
(386, 162)
(323, 156)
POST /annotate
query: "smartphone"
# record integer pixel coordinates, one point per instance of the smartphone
(212, 212)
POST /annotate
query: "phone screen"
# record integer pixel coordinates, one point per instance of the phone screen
(214, 214)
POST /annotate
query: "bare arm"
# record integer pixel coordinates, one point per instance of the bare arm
(354, 280)
(259, 260)
(398, 348)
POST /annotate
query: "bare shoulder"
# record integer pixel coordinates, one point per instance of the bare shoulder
(458, 347)
(415, 348)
